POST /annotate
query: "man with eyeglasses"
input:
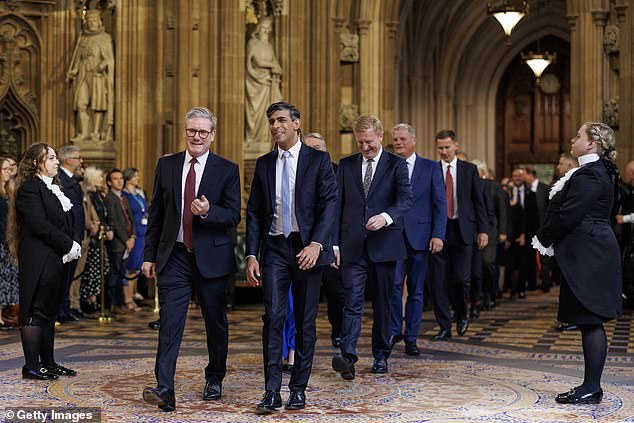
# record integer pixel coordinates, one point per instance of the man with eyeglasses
(70, 162)
(188, 244)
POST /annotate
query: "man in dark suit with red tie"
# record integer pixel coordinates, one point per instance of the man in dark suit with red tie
(290, 216)
(374, 194)
(188, 244)
(467, 226)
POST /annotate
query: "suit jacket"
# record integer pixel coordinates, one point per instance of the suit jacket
(75, 194)
(472, 212)
(46, 235)
(390, 192)
(213, 246)
(315, 201)
(497, 208)
(577, 224)
(541, 198)
(427, 218)
(118, 221)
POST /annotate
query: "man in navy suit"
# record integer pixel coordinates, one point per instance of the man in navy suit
(70, 162)
(450, 270)
(290, 215)
(424, 227)
(195, 205)
(374, 194)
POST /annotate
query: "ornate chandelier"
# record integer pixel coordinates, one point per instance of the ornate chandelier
(508, 14)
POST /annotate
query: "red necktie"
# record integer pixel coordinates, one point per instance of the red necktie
(449, 193)
(128, 222)
(190, 194)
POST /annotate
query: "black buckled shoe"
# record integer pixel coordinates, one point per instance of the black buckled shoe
(40, 374)
(59, 370)
(574, 396)
(271, 401)
(343, 366)
(162, 397)
(379, 366)
(296, 400)
(213, 389)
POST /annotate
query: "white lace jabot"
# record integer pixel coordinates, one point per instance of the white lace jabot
(54, 188)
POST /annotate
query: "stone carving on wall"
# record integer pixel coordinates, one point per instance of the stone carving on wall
(19, 83)
(612, 39)
(263, 78)
(611, 112)
(348, 46)
(348, 114)
(257, 9)
(92, 73)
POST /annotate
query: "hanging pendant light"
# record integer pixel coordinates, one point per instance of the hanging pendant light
(538, 62)
(508, 15)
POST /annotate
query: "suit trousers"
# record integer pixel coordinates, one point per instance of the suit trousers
(450, 277)
(355, 277)
(279, 268)
(415, 267)
(333, 287)
(176, 283)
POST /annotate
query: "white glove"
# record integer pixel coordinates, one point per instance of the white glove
(73, 254)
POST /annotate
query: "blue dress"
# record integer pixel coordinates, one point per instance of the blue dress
(139, 207)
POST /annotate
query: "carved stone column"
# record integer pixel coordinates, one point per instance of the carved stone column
(370, 67)
(624, 144)
(389, 78)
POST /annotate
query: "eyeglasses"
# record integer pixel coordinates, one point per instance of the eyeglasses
(203, 133)
(74, 158)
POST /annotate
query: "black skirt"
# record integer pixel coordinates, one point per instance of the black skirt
(572, 311)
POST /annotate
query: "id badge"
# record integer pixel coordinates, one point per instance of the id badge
(144, 221)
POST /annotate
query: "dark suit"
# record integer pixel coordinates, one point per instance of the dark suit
(426, 219)
(541, 200)
(450, 270)
(75, 194)
(205, 270)
(370, 255)
(315, 211)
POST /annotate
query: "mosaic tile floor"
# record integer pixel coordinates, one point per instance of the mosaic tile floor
(507, 368)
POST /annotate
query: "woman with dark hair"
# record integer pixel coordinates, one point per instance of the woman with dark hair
(577, 231)
(135, 196)
(8, 265)
(41, 237)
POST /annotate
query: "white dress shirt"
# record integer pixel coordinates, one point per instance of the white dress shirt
(375, 163)
(276, 224)
(519, 193)
(534, 185)
(454, 177)
(199, 167)
(411, 162)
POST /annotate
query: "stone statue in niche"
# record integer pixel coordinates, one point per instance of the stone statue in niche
(348, 114)
(263, 79)
(611, 112)
(92, 73)
(611, 39)
(349, 46)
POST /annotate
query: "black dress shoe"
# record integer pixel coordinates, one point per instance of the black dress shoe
(442, 335)
(379, 366)
(574, 396)
(336, 340)
(566, 326)
(343, 366)
(271, 401)
(162, 397)
(40, 374)
(155, 325)
(395, 339)
(213, 389)
(296, 400)
(462, 326)
(411, 348)
(59, 370)
(287, 368)
(522, 295)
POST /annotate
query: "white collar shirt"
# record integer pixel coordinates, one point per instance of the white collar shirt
(199, 167)
(454, 176)
(375, 161)
(411, 162)
(276, 224)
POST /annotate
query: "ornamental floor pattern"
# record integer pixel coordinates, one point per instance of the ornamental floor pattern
(507, 368)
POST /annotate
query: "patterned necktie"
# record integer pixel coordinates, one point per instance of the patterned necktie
(190, 194)
(367, 178)
(449, 193)
(287, 224)
(128, 222)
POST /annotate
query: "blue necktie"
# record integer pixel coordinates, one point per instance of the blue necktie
(287, 225)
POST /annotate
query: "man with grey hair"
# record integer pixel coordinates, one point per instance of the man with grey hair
(195, 205)
(70, 160)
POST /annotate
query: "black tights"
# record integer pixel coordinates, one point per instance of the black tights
(38, 344)
(595, 350)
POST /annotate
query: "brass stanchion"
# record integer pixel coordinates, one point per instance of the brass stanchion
(103, 317)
